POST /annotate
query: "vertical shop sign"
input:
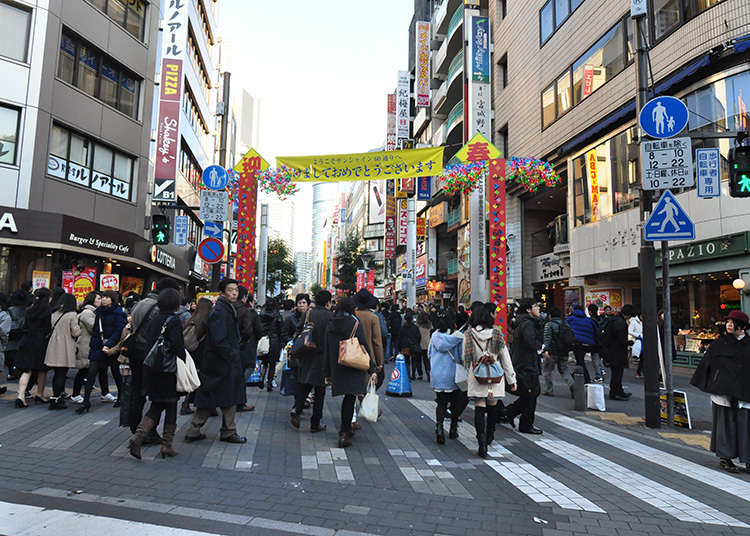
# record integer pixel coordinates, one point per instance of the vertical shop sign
(592, 168)
(422, 83)
(423, 189)
(421, 228)
(360, 280)
(247, 207)
(497, 239)
(403, 216)
(402, 105)
(174, 43)
(407, 186)
(391, 141)
(390, 220)
(588, 80)
(371, 281)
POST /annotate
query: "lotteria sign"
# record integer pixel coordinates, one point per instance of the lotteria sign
(159, 256)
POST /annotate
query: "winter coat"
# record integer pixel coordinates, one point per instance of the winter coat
(444, 351)
(477, 341)
(425, 327)
(410, 338)
(271, 321)
(221, 373)
(527, 342)
(5, 326)
(143, 312)
(721, 366)
(551, 337)
(18, 323)
(161, 386)
(86, 320)
(184, 315)
(383, 328)
(311, 367)
(741, 389)
(345, 380)
(614, 346)
(108, 327)
(251, 331)
(33, 347)
(371, 326)
(288, 326)
(635, 328)
(394, 324)
(61, 350)
(585, 330)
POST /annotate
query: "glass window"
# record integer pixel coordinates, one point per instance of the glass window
(548, 106)
(78, 167)
(14, 27)
(630, 29)
(128, 95)
(625, 177)
(574, 4)
(600, 63)
(691, 8)
(666, 16)
(136, 18)
(561, 11)
(116, 11)
(563, 94)
(88, 69)
(110, 81)
(58, 142)
(547, 21)
(101, 4)
(581, 206)
(102, 177)
(66, 67)
(8, 134)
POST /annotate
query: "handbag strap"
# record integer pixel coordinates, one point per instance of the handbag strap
(484, 350)
(356, 325)
(57, 321)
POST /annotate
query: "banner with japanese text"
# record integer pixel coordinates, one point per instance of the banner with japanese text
(422, 82)
(402, 105)
(497, 242)
(592, 169)
(361, 277)
(365, 166)
(247, 207)
(390, 220)
(371, 281)
(391, 140)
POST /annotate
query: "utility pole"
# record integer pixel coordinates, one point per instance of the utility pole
(649, 354)
(223, 135)
(667, 332)
(411, 251)
(263, 256)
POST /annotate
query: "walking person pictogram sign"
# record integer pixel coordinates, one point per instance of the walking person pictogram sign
(669, 221)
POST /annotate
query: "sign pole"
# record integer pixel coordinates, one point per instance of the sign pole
(263, 257)
(411, 251)
(667, 332)
(216, 270)
(650, 356)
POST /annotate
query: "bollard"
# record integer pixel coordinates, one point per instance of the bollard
(579, 389)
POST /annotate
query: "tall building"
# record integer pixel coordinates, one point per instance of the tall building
(565, 92)
(303, 267)
(75, 123)
(280, 218)
(324, 201)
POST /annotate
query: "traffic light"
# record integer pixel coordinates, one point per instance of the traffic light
(160, 229)
(739, 171)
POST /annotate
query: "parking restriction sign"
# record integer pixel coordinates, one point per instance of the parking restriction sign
(667, 164)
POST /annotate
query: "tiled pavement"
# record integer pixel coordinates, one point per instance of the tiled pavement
(581, 477)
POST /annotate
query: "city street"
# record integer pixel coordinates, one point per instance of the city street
(584, 475)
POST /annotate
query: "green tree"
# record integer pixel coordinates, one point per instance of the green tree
(350, 250)
(280, 265)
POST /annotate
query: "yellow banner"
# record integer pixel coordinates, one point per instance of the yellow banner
(366, 166)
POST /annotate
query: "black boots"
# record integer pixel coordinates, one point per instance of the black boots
(453, 432)
(491, 422)
(56, 402)
(480, 423)
(440, 434)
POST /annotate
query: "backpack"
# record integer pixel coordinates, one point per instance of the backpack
(565, 340)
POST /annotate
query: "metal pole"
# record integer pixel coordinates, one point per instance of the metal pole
(263, 256)
(411, 251)
(667, 351)
(650, 355)
(223, 135)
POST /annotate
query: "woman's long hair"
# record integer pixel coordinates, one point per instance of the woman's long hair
(66, 303)
(41, 306)
(200, 317)
(480, 316)
(90, 299)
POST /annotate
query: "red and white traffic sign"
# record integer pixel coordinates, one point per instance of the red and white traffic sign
(211, 250)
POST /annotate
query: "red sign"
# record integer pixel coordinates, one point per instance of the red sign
(403, 221)
(390, 220)
(211, 250)
(588, 79)
(407, 185)
(168, 124)
(247, 206)
(497, 239)
(371, 281)
(360, 280)
(421, 227)
(109, 282)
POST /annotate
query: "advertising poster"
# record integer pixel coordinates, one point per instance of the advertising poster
(422, 82)
(681, 409)
(109, 282)
(592, 168)
(402, 221)
(602, 297)
(130, 284)
(371, 281)
(421, 228)
(376, 202)
(79, 283)
(40, 279)
(407, 185)
(420, 268)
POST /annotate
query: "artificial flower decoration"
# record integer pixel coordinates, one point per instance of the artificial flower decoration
(532, 172)
(278, 181)
(462, 178)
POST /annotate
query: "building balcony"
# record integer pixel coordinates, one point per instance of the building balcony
(440, 19)
(439, 63)
(456, 20)
(455, 118)
(421, 120)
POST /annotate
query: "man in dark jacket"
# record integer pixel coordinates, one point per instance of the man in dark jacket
(311, 365)
(555, 354)
(251, 330)
(586, 332)
(615, 348)
(526, 347)
(222, 381)
(271, 320)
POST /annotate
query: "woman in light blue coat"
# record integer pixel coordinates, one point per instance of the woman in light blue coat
(445, 352)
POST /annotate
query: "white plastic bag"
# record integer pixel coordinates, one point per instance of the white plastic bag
(264, 345)
(368, 410)
(187, 375)
(282, 363)
(595, 396)
(637, 346)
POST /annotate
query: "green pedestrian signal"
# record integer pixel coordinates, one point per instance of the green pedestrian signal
(739, 171)
(160, 229)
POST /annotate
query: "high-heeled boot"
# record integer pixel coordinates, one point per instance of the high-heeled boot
(491, 422)
(166, 441)
(440, 434)
(480, 424)
(439, 418)
(453, 432)
(136, 440)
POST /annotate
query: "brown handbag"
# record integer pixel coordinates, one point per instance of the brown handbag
(351, 353)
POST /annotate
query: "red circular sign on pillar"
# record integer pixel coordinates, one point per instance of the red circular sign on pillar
(211, 250)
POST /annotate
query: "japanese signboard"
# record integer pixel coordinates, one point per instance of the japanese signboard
(402, 221)
(180, 230)
(407, 186)
(214, 205)
(391, 141)
(497, 242)
(480, 50)
(371, 281)
(109, 282)
(423, 189)
(592, 168)
(421, 228)
(402, 105)
(708, 170)
(667, 163)
(390, 221)
(365, 166)
(422, 82)
(40, 279)
(361, 278)
(376, 202)
(174, 42)
(437, 214)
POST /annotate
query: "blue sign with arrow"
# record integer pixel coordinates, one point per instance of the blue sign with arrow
(215, 177)
(663, 117)
(212, 229)
(669, 221)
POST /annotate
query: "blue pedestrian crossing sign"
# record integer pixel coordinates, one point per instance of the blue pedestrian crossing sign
(663, 117)
(669, 221)
(212, 229)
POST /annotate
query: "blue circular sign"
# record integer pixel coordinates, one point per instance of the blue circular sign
(210, 250)
(215, 177)
(663, 117)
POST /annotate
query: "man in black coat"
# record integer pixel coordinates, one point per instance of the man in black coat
(527, 343)
(311, 365)
(251, 330)
(222, 381)
(615, 349)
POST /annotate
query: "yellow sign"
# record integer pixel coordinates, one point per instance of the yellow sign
(366, 166)
(681, 409)
(213, 296)
(479, 148)
(251, 160)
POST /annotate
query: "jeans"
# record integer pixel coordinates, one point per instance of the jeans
(580, 351)
(303, 389)
(550, 364)
(598, 365)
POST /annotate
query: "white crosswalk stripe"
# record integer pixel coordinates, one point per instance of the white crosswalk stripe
(525, 477)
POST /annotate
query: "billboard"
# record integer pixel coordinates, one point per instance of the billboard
(402, 105)
(375, 202)
(422, 82)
